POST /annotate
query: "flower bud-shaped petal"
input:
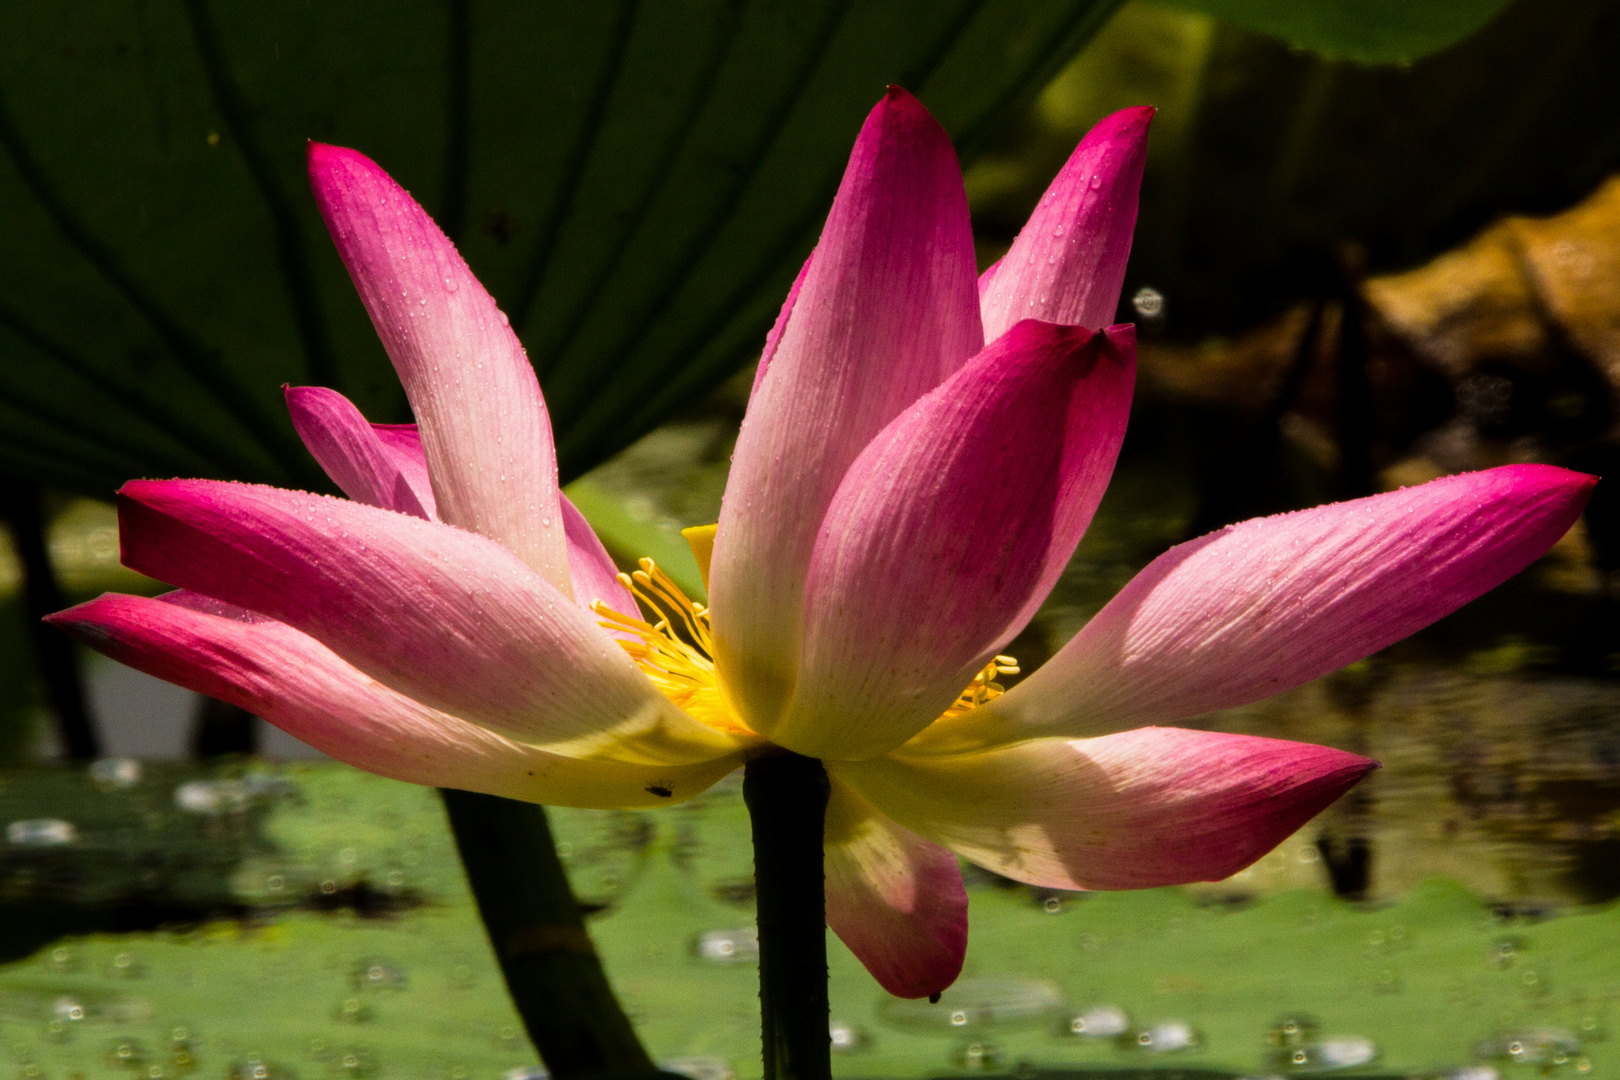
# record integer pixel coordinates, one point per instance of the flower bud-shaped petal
(1068, 262)
(885, 311)
(484, 426)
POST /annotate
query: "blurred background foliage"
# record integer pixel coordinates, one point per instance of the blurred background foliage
(636, 182)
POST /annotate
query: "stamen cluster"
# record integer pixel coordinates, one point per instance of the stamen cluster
(677, 651)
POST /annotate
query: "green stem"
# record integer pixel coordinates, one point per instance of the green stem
(534, 923)
(787, 802)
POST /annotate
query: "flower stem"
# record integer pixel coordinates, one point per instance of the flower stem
(787, 802)
(539, 936)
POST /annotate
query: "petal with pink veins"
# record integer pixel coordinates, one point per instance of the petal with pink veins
(442, 615)
(383, 465)
(1068, 262)
(350, 450)
(948, 532)
(1136, 810)
(403, 443)
(302, 687)
(773, 337)
(1265, 605)
(887, 310)
(595, 575)
(484, 426)
(895, 899)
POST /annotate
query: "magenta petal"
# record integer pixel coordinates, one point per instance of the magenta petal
(403, 444)
(595, 575)
(484, 427)
(442, 615)
(301, 686)
(948, 532)
(349, 449)
(887, 310)
(895, 899)
(1136, 810)
(382, 465)
(1068, 263)
(1268, 604)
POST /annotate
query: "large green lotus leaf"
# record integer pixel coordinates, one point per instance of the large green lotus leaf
(635, 180)
(1368, 31)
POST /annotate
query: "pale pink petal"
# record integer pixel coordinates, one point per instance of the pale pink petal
(382, 465)
(985, 279)
(301, 686)
(887, 311)
(773, 337)
(1068, 263)
(1136, 810)
(442, 615)
(595, 575)
(948, 532)
(484, 427)
(895, 899)
(350, 451)
(403, 442)
(1268, 604)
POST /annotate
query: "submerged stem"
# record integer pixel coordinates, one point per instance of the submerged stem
(787, 802)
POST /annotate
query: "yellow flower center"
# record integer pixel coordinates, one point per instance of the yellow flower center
(677, 652)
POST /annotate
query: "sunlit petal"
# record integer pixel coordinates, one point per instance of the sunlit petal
(948, 532)
(1268, 604)
(1143, 808)
(1068, 262)
(887, 309)
(895, 899)
(484, 426)
(353, 453)
(440, 614)
(298, 684)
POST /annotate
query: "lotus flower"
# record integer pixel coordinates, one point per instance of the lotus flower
(923, 449)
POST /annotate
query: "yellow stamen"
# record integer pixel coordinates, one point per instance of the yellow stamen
(984, 687)
(677, 652)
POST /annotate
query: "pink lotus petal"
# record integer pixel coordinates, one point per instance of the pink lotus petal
(887, 311)
(439, 614)
(302, 687)
(948, 532)
(595, 575)
(1268, 604)
(484, 426)
(1068, 263)
(895, 899)
(403, 443)
(382, 465)
(773, 337)
(590, 568)
(350, 451)
(1150, 807)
